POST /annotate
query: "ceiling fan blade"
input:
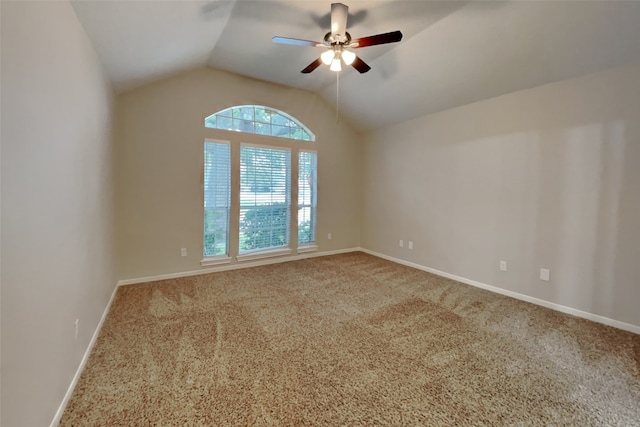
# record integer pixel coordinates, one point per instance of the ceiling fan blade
(339, 15)
(315, 64)
(295, 42)
(360, 65)
(392, 37)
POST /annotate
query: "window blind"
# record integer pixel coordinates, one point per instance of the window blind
(265, 201)
(307, 177)
(217, 198)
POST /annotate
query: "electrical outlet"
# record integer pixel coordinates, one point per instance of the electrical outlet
(329, 236)
(77, 323)
(410, 244)
(544, 274)
(401, 243)
(503, 265)
(183, 252)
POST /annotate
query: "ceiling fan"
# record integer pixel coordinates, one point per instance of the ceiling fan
(337, 43)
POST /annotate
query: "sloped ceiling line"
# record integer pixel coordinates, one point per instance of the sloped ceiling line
(453, 52)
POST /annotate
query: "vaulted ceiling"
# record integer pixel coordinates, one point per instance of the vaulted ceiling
(453, 52)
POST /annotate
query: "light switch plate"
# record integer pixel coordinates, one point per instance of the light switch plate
(544, 274)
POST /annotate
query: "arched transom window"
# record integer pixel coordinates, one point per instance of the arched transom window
(259, 120)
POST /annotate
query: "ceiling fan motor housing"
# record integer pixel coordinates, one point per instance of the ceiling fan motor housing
(339, 39)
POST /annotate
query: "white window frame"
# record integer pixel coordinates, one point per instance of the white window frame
(272, 251)
(237, 139)
(313, 205)
(226, 120)
(223, 258)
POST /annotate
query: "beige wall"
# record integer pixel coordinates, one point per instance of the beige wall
(57, 207)
(546, 177)
(160, 130)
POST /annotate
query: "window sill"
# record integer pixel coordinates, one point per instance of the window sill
(208, 262)
(263, 254)
(307, 248)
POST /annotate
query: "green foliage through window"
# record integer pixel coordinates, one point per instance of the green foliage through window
(260, 120)
(217, 197)
(307, 196)
(265, 227)
(215, 231)
(265, 197)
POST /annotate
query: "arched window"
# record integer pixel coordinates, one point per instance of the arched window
(259, 120)
(268, 219)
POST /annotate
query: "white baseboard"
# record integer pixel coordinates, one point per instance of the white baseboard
(94, 338)
(237, 266)
(83, 362)
(561, 308)
(579, 313)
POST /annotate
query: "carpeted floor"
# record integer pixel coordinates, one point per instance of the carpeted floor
(349, 340)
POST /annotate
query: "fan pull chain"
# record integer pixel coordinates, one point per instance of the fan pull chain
(337, 96)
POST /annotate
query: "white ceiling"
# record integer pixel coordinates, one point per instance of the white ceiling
(453, 52)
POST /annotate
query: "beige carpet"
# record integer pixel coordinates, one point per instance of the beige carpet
(349, 340)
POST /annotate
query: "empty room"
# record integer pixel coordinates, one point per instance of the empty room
(233, 212)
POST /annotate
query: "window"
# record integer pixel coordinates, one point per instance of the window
(217, 198)
(259, 120)
(265, 197)
(307, 177)
(249, 186)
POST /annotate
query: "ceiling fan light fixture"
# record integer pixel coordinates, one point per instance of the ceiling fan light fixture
(336, 65)
(327, 56)
(348, 57)
(337, 42)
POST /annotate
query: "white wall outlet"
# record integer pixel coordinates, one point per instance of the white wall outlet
(544, 274)
(503, 265)
(183, 252)
(401, 243)
(410, 244)
(77, 323)
(329, 236)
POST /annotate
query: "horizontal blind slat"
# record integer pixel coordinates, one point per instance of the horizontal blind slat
(217, 198)
(264, 197)
(307, 174)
